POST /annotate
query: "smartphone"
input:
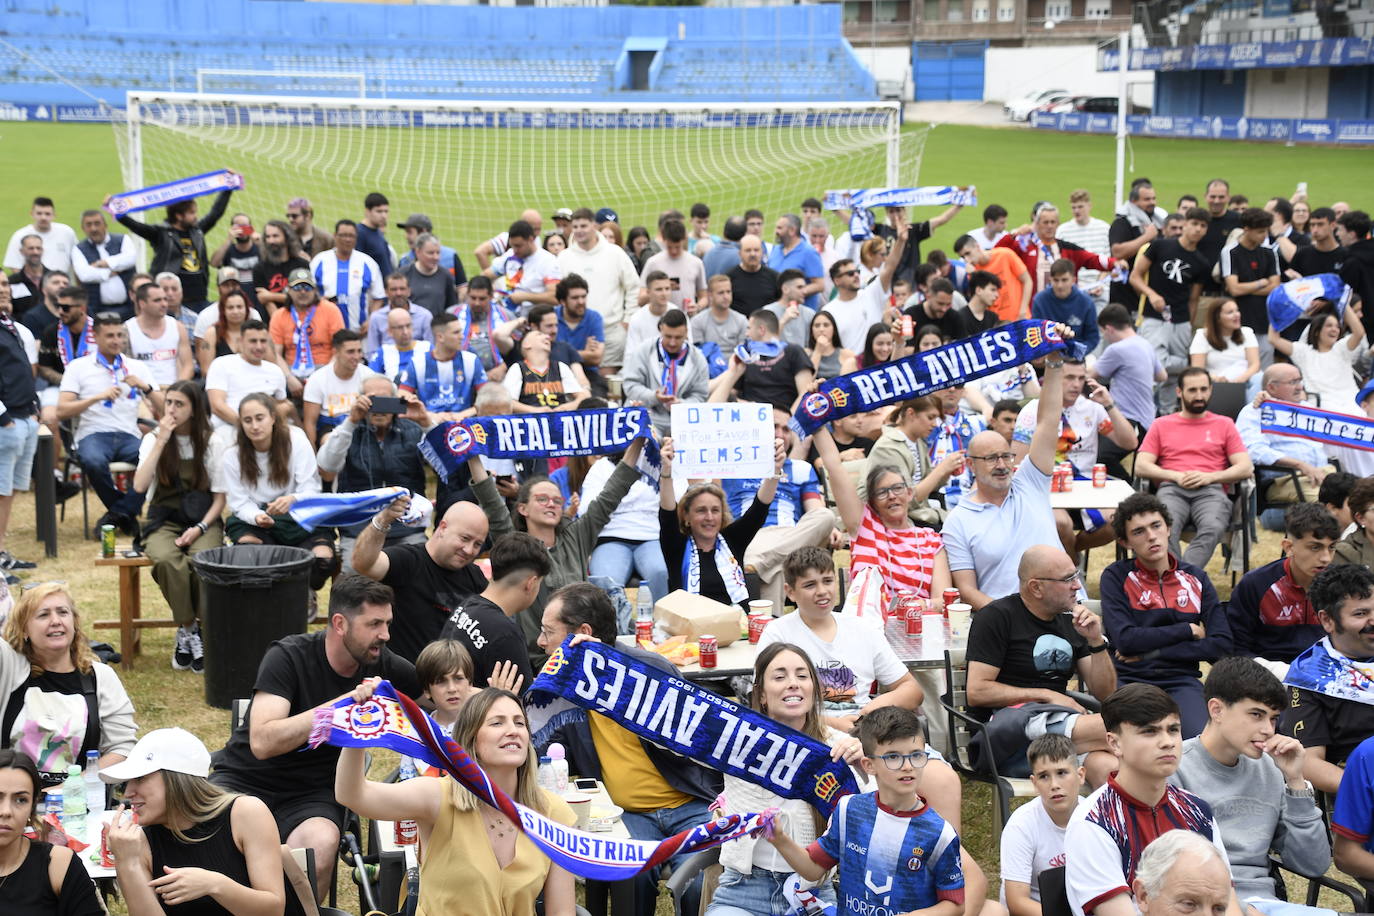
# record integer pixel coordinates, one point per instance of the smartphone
(387, 405)
(585, 785)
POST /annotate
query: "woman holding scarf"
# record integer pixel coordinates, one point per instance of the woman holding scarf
(701, 543)
(183, 510)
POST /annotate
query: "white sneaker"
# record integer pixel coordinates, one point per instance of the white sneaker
(182, 656)
(197, 649)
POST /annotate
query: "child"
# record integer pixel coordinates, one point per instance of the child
(1066, 303)
(895, 854)
(445, 671)
(644, 324)
(1033, 838)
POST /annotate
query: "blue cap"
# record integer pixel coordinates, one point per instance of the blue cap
(607, 215)
(1365, 392)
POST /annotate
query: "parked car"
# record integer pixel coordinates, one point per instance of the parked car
(1093, 104)
(1020, 109)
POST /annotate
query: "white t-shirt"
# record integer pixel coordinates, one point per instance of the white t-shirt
(86, 378)
(1078, 442)
(335, 395)
(687, 272)
(30, 343)
(245, 501)
(1229, 363)
(58, 243)
(238, 378)
(1031, 843)
(538, 273)
(855, 317)
(644, 327)
(848, 666)
(1329, 374)
(635, 518)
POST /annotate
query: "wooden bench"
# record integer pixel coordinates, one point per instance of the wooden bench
(131, 620)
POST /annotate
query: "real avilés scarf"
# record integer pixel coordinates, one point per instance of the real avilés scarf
(1281, 418)
(671, 364)
(304, 362)
(862, 201)
(920, 374)
(550, 435)
(686, 719)
(394, 721)
(160, 195)
(1321, 669)
(66, 351)
(346, 509)
(1291, 300)
(731, 573)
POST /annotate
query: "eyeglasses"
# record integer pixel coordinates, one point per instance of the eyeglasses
(885, 492)
(847, 273)
(544, 499)
(995, 458)
(917, 759)
(1066, 580)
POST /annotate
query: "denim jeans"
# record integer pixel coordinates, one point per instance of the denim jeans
(759, 893)
(18, 442)
(616, 560)
(659, 825)
(95, 452)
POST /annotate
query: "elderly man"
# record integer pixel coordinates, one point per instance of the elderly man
(104, 262)
(1282, 382)
(1181, 872)
(1007, 510)
(430, 578)
(1038, 249)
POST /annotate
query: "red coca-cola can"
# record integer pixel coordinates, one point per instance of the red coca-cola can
(1056, 481)
(950, 596)
(106, 859)
(644, 631)
(914, 613)
(756, 624)
(908, 327)
(407, 832)
(1099, 475)
(706, 648)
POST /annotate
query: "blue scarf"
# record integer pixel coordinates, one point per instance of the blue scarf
(1280, 418)
(160, 195)
(1291, 300)
(394, 721)
(671, 365)
(346, 509)
(305, 357)
(1321, 669)
(551, 435)
(731, 573)
(467, 326)
(678, 715)
(985, 353)
(65, 350)
(117, 372)
(862, 201)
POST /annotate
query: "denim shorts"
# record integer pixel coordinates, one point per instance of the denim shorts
(18, 442)
(759, 893)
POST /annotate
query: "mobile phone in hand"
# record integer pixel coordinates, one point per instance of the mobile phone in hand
(387, 405)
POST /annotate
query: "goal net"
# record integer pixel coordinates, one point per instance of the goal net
(473, 166)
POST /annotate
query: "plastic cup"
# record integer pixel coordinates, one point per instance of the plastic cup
(581, 806)
(959, 616)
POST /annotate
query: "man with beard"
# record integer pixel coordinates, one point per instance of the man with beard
(46, 314)
(300, 213)
(1223, 220)
(430, 579)
(26, 282)
(397, 297)
(300, 677)
(1193, 455)
(179, 243)
(281, 254)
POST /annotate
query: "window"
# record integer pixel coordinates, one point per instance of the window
(980, 10)
(931, 12)
(1006, 10)
(885, 11)
(1058, 10)
(851, 12)
(956, 11)
(1098, 9)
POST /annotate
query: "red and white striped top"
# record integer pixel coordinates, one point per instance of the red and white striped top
(904, 556)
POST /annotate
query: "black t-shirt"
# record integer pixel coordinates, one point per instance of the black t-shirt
(272, 277)
(1299, 239)
(859, 442)
(1318, 720)
(1248, 265)
(1122, 231)
(1218, 231)
(426, 595)
(50, 356)
(490, 638)
(1308, 261)
(774, 381)
(1174, 271)
(297, 669)
(970, 324)
(38, 319)
(911, 257)
(752, 291)
(949, 323)
(1027, 651)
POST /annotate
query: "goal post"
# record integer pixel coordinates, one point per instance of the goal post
(472, 166)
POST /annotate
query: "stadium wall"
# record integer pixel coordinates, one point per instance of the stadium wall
(1011, 73)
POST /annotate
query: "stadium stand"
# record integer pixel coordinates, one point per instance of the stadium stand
(782, 54)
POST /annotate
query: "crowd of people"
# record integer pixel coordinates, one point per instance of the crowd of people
(318, 359)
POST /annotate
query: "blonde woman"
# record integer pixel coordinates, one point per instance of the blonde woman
(475, 860)
(185, 846)
(56, 701)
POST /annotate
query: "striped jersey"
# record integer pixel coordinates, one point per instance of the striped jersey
(890, 861)
(905, 556)
(349, 283)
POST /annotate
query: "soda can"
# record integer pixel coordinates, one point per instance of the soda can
(706, 651)
(908, 327)
(756, 624)
(407, 832)
(106, 858)
(950, 596)
(913, 619)
(107, 541)
(1056, 481)
(1099, 475)
(644, 631)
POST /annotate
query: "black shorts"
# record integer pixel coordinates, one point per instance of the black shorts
(291, 808)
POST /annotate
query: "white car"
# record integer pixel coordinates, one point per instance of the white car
(1020, 109)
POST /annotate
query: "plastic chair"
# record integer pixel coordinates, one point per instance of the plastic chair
(681, 878)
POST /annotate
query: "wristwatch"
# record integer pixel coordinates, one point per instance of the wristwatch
(1099, 648)
(1307, 792)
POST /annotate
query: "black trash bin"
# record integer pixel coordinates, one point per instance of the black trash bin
(254, 595)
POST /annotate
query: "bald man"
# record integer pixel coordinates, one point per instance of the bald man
(430, 579)
(1181, 872)
(1008, 508)
(1023, 649)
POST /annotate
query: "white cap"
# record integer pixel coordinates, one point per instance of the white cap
(173, 749)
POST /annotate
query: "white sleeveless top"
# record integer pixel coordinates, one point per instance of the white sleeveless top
(160, 353)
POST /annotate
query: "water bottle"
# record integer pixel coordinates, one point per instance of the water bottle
(95, 787)
(407, 830)
(53, 805)
(644, 616)
(545, 777)
(74, 803)
(558, 767)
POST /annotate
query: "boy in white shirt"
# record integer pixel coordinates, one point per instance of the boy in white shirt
(644, 323)
(1033, 838)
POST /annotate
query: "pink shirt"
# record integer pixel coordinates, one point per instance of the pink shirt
(1181, 443)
